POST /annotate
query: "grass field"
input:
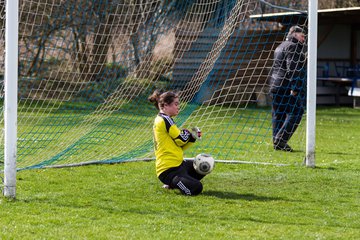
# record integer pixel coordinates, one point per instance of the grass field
(239, 201)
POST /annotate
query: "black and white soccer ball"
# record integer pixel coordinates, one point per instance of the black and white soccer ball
(204, 163)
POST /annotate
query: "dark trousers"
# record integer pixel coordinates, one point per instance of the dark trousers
(184, 178)
(287, 111)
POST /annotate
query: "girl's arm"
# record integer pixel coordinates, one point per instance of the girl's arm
(181, 137)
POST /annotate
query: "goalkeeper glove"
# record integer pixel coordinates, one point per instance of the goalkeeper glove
(196, 132)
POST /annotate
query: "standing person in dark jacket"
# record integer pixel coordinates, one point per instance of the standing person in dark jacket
(288, 87)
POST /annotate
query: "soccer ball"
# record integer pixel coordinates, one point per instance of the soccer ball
(204, 163)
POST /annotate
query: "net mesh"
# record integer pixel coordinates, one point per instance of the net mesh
(87, 67)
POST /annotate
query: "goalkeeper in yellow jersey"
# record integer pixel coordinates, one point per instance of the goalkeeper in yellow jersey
(170, 142)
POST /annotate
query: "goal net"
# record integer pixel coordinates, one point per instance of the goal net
(86, 69)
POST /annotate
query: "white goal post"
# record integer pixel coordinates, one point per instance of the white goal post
(10, 104)
(311, 88)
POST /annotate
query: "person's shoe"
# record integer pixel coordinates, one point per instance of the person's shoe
(281, 146)
(166, 186)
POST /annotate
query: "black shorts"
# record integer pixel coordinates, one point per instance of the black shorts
(186, 169)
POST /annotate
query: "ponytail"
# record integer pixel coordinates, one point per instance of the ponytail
(155, 98)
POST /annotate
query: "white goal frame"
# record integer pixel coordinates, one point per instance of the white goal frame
(11, 92)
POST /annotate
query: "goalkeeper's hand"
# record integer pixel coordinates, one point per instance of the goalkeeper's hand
(196, 132)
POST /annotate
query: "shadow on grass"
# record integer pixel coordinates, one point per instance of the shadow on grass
(233, 195)
(341, 153)
(325, 168)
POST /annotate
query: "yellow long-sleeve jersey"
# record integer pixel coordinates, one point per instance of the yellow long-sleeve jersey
(169, 143)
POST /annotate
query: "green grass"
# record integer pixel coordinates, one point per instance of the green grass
(239, 201)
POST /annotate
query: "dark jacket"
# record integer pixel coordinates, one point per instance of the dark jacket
(288, 71)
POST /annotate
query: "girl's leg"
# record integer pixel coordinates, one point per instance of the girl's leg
(181, 179)
(188, 164)
(187, 185)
